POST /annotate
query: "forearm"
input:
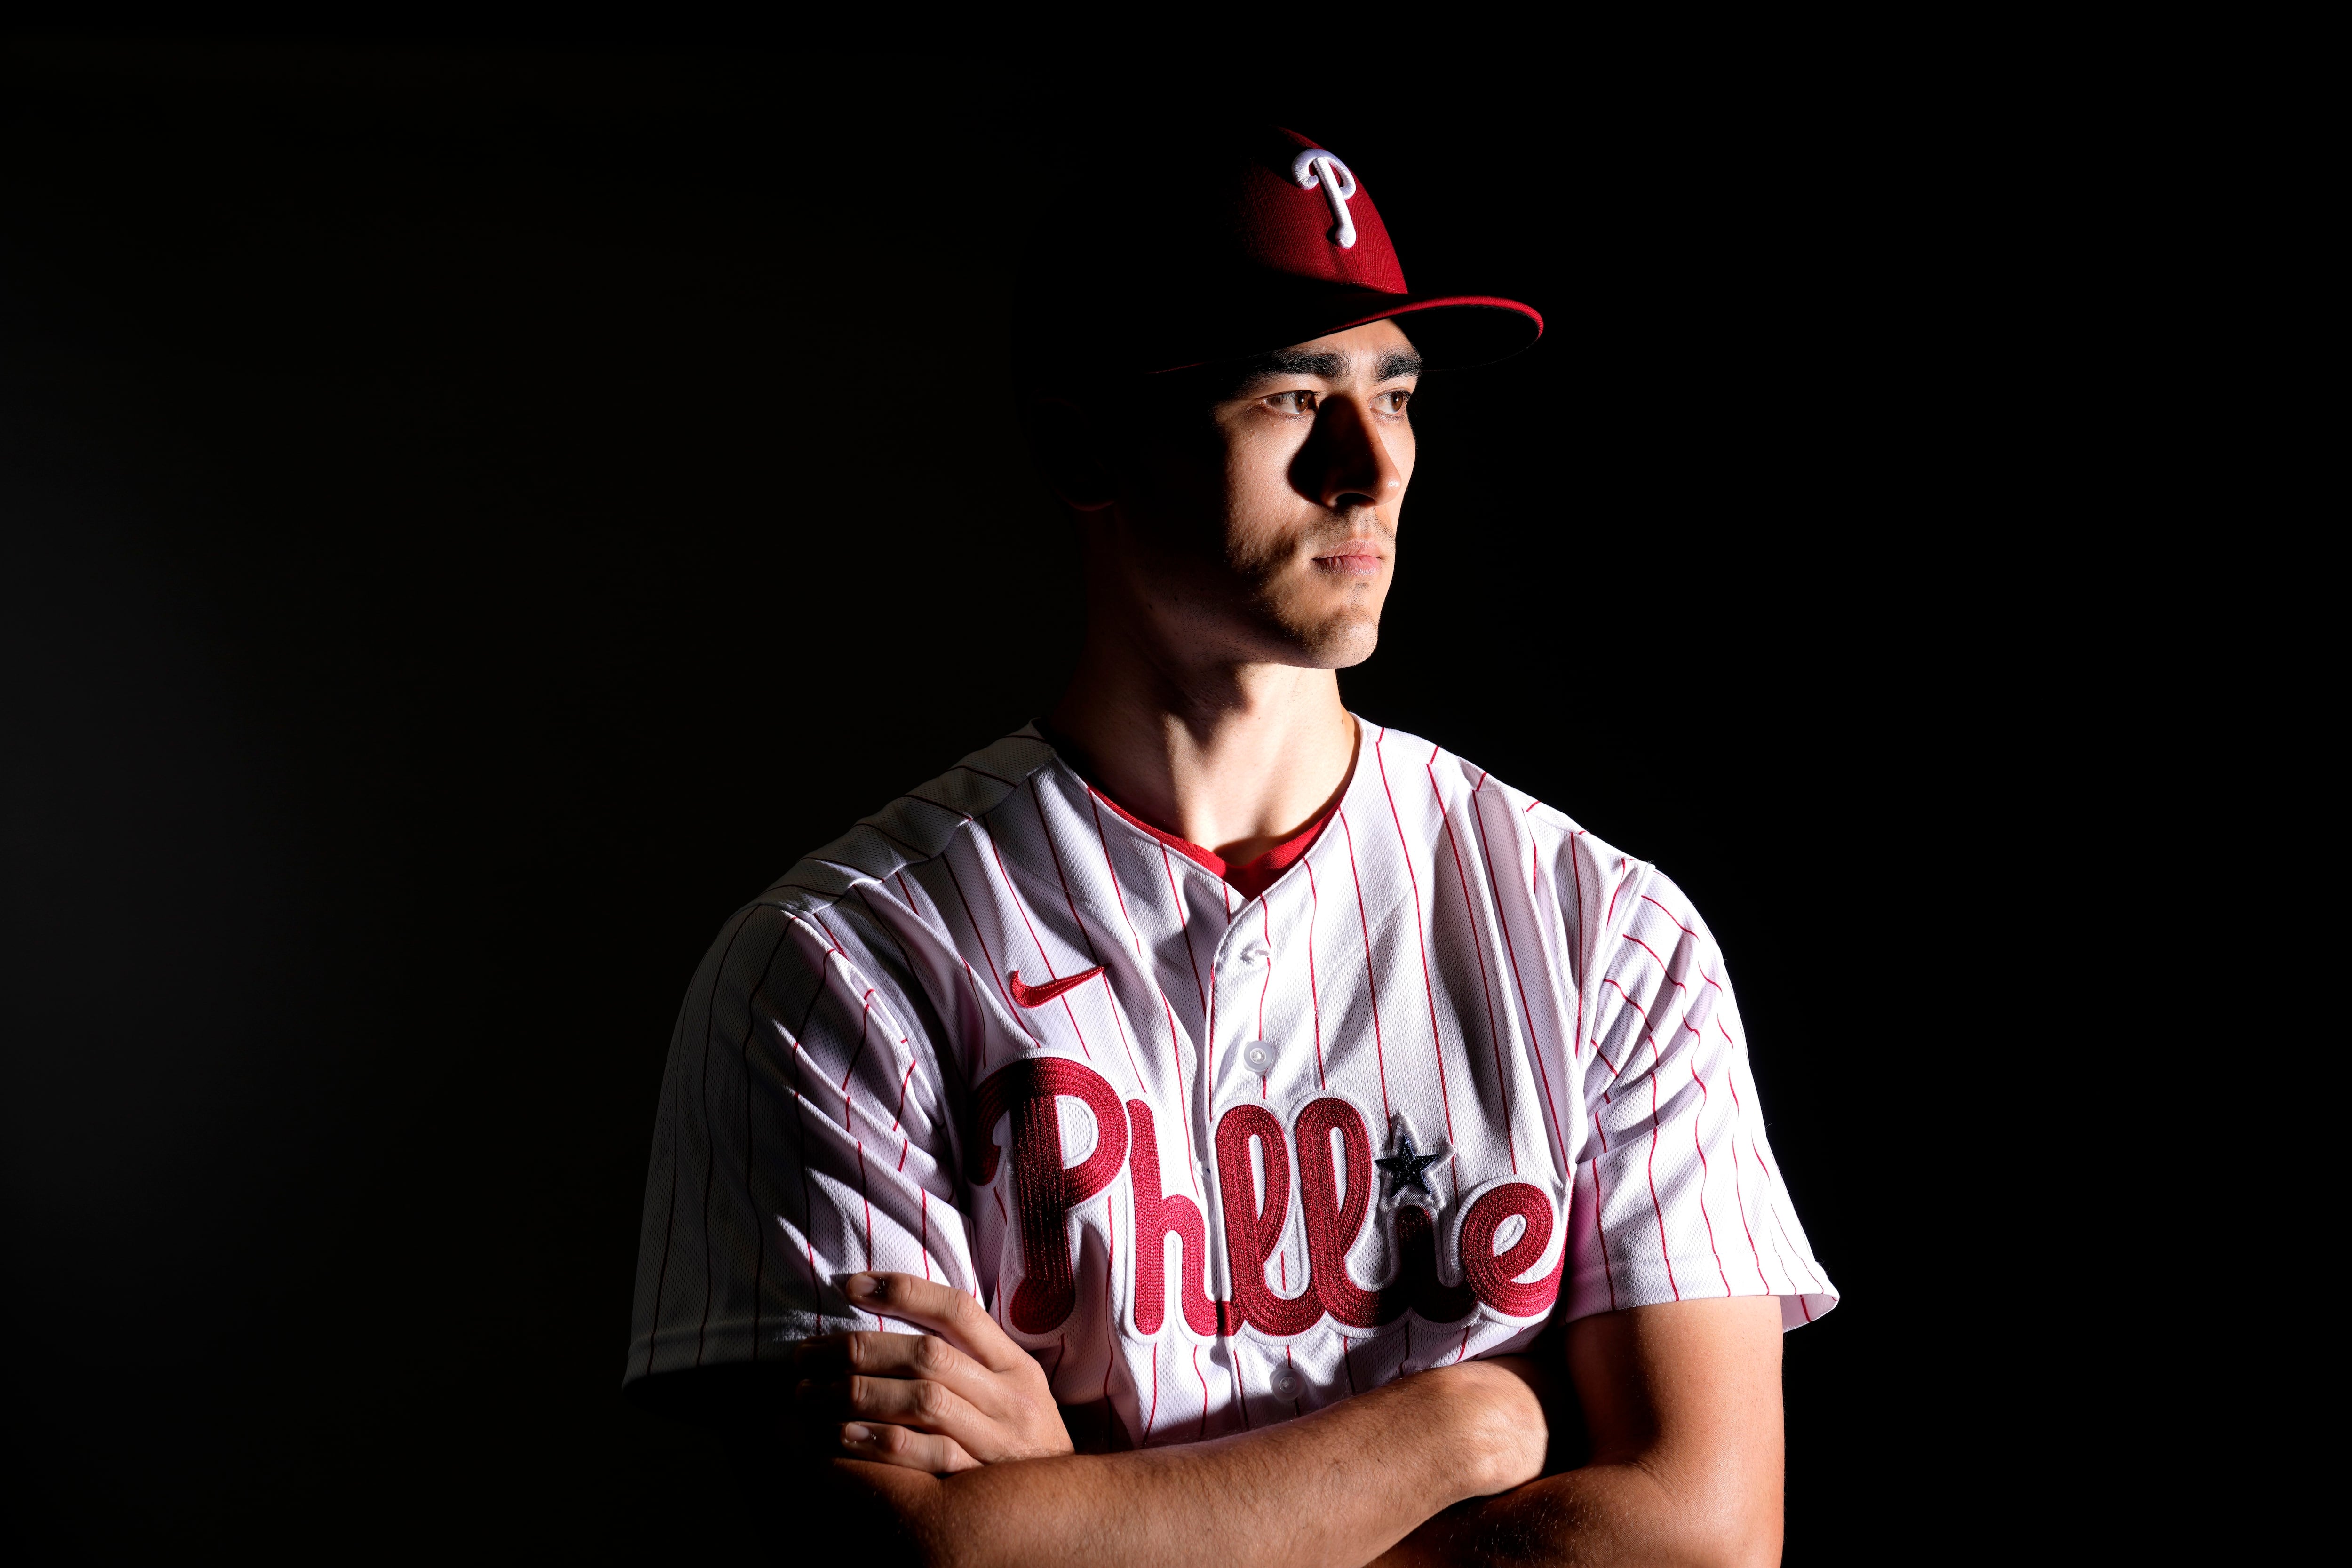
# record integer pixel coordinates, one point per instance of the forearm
(1337, 1488)
(1681, 1452)
(1619, 1513)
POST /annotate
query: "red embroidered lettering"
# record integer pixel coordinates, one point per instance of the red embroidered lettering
(1334, 1221)
(1254, 1222)
(1155, 1216)
(1336, 1190)
(1496, 1279)
(1335, 1199)
(1044, 1188)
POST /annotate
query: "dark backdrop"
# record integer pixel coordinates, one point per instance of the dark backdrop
(475, 514)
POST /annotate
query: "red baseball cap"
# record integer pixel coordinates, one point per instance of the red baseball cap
(1174, 253)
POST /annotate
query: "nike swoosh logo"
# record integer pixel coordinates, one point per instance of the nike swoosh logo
(1038, 996)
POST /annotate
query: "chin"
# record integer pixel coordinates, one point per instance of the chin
(1320, 631)
(1340, 644)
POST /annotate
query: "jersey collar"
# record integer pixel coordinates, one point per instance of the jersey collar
(1250, 877)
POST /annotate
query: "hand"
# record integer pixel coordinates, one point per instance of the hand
(956, 1398)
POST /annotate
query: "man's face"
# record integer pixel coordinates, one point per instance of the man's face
(1257, 504)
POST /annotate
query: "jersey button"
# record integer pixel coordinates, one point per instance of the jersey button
(1258, 1056)
(1287, 1383)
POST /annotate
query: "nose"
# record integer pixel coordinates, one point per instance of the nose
(1349, 460)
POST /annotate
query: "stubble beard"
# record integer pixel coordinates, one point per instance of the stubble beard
(1257, 596)
(1310, 630)
(1303, 619)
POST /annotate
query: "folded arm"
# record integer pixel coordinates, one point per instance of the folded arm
(962, 1458)
(1332, 1489)
(1682, 1410)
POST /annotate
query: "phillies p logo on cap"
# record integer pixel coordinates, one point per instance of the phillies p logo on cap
(1316, 169)
(1181, 249)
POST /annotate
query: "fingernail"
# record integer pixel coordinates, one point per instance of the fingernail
(854, 1433)
(803, 1389)
(858, 1285)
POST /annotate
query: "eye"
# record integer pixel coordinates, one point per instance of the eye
(1292, 403)
(1394, 402)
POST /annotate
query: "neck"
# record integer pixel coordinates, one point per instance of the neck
(1235, 757)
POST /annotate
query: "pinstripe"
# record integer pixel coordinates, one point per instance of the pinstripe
(1739, 1194)
(710, 1168)
(1511, 951)
(1576, 872)
(1208, 1024)
(1111, 1298)
(987, 959)
(1175, 1044)
(1371, 976)
(1266, 982)
(1478, 950)
(870, 982)
(1176, 897)
(1600, 1213)
(1013, 897)
(661, 1274)
(1650, 1170)
(1077, 921)
(1421, 946)
(1313, 987)
(1699, 1142)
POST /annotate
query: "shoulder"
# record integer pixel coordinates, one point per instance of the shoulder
(911, 831)
(852, 901)
(1508, 822)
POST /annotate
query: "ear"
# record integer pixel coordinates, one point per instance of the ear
(1068, 444)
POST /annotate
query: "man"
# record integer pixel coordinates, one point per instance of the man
(1358, 1158)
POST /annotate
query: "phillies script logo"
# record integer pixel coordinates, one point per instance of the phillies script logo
(1335, 1195)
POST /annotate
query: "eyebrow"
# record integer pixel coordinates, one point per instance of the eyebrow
(1290, 363)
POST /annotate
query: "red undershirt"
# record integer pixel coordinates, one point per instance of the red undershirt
(1249, 879)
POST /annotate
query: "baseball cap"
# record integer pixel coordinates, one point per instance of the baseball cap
(1163, 253)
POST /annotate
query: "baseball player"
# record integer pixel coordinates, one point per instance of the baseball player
(1208, 1125)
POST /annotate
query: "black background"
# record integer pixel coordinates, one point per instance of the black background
(477, 511)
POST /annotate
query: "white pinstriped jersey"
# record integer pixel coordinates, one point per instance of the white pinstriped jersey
(1179, 1140)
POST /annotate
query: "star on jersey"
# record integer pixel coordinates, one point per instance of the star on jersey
(1405, 1167)
(843, 967)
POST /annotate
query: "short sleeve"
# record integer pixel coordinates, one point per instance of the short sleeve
(805, 1133)
(1677, 1193)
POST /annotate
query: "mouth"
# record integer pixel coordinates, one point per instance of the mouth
(1355, 558)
